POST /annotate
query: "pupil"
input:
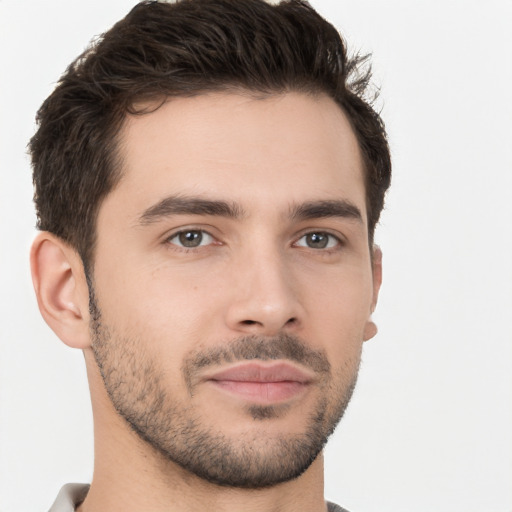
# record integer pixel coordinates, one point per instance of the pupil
(317, 240)
(190, 238)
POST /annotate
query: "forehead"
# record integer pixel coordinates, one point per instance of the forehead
(286, 148)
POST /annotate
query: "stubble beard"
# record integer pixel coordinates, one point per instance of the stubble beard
(136, 386)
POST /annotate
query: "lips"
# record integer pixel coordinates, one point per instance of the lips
(262, 383)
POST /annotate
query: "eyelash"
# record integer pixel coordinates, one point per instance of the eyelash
(338, 242)
(329, 248)
(184, 248)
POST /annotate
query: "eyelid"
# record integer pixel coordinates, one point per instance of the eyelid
(174, 234)
(338, 237)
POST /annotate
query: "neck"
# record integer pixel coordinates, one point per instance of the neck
(129, 475)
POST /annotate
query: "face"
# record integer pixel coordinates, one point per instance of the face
(233, 282)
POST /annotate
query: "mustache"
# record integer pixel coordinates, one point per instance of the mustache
(250, 348)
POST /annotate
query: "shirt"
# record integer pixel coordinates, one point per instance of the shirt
(71, 495)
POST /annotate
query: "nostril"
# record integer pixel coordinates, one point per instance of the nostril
(290, 321)
(268, 325)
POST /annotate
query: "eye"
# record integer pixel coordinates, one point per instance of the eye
(318, 240)
(191, 238)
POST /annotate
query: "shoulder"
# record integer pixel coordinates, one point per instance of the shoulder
(332, 507)
(69, 497)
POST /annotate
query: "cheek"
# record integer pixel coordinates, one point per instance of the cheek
(163, 307)
(339, 311)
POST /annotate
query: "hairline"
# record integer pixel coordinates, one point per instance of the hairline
(145, 106)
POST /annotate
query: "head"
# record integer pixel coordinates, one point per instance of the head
(212, 170)
(163, 50)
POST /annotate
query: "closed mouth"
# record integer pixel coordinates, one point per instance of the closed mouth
(262, 383)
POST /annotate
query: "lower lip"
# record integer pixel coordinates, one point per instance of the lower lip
(262, 392)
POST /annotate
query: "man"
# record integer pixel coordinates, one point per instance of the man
(208, 179)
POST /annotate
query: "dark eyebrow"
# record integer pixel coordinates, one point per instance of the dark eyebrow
(326, 208)
(187, 205)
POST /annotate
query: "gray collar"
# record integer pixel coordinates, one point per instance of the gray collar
(71, 495)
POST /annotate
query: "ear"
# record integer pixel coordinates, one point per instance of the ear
(370, 329)
(61, 289)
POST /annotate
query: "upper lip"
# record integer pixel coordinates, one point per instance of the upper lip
(260, 372)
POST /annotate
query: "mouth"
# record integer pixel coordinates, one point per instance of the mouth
(262, 383)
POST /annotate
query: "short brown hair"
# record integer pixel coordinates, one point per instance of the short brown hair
(161, 50)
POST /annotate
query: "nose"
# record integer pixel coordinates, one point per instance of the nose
(265, 298)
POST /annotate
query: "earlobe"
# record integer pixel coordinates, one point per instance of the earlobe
(370, 329)
(61, 289)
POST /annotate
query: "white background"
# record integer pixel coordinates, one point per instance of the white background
(430, 425)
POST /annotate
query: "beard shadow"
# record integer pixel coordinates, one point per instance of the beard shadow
(179, 431)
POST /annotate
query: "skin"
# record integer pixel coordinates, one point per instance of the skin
(255, 275)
